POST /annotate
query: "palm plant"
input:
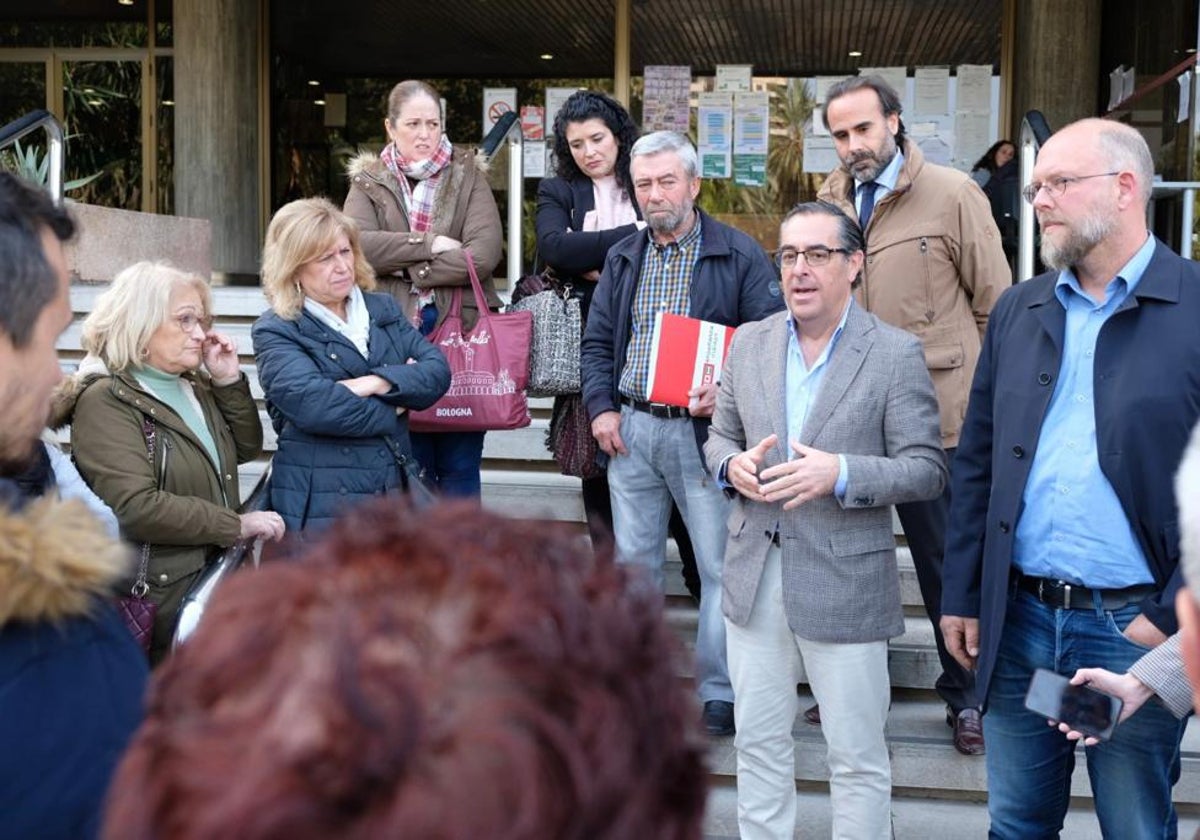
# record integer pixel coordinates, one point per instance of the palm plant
(32, 165)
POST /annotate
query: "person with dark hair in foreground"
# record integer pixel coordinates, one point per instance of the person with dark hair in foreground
(453, 674)
(71, 675)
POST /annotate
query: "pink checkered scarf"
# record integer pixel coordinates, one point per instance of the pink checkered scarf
(418, 200)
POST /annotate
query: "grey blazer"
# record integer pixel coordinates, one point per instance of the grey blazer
(877, 407)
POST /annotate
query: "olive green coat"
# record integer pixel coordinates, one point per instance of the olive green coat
(182, 504)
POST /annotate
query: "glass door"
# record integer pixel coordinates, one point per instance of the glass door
(102, 114)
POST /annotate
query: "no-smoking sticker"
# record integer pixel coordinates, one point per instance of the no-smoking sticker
(496, 103)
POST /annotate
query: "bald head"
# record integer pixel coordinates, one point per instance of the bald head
(1117, 146)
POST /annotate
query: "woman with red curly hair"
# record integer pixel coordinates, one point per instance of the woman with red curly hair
(450, 675)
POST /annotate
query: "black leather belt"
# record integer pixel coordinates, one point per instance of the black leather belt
(1061, 595)
(665, 412)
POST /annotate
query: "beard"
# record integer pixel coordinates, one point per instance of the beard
(665, 224)
(1080, 239)
(866, 164)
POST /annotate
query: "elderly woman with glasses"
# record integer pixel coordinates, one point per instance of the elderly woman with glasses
(340, 366)
(161, 416)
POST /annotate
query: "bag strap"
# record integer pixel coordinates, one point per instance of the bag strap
(476, 286)
(140, 587)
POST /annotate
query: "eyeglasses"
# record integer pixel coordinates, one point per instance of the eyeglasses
(1057, 186)
(188, 321)
(785, 258)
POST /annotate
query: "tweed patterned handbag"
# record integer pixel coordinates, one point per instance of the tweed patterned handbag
(554, 351)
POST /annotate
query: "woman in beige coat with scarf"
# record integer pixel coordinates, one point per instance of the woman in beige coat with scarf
(419, 205)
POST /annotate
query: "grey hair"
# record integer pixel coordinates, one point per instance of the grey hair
(668, 141)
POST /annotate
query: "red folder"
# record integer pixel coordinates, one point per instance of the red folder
(685, 353)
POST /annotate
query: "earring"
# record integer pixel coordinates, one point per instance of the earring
(299, 291)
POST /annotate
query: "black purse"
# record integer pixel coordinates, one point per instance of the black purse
(413, 482)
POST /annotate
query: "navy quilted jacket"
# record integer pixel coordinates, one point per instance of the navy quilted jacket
(336, 448)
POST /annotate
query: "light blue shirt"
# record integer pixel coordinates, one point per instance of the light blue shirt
(1073, 527)
(802, 384)
(885, 182)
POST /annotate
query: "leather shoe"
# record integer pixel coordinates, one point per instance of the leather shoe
(968, 731)
(718, 717)
(813, 714)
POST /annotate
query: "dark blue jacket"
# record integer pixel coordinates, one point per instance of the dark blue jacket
(562, 242)
(1147, 399)
(336, 448)
(72, 678)
(734, 282)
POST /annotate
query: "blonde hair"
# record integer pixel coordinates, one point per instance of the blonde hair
(299, 233)
(130, 311)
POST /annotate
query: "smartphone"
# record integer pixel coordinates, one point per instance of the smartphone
(1083, 708)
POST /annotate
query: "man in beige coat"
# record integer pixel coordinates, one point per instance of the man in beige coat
(934, 267)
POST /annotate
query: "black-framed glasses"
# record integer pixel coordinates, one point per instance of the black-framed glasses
(785, 258)
(188, 321)
(1055, 187)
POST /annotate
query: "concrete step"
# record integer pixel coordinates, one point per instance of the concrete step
(914, 817)
(923, 757)
(912, 658)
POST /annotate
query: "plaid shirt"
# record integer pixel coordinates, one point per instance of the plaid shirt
(663, 286)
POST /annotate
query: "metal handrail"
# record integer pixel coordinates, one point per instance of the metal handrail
(1188, 188)
(1034, 132)
(221, 565)
(32, 121)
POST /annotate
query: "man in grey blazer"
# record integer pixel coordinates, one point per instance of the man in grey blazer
(825, 417)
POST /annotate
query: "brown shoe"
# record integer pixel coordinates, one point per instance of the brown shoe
(813, 714)
(968, 731)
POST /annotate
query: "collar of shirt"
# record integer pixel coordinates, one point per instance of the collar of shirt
(1119, 288)
(885, 181)
(676, 244)
(803, 382)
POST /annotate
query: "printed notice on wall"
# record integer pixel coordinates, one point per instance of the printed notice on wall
(932, 91)
(665, 104)
(751, 130)
(533, 117)
(974, 88)
(897, 79)
(534, 158)
(555, 97)
(714, 134)
(496, 103)
(733, 78)
(820, 157)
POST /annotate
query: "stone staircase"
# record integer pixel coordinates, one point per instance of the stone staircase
(937, 791)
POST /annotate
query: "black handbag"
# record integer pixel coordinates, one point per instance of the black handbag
(413, 482)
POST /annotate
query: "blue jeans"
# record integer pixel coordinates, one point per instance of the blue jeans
(664, 463)
(1029, 763)
(451, 461)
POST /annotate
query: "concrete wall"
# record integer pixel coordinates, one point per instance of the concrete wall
(109, 240)
(216, 125)
(1056, 60)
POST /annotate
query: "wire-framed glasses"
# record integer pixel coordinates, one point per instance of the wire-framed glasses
(1055, 187)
